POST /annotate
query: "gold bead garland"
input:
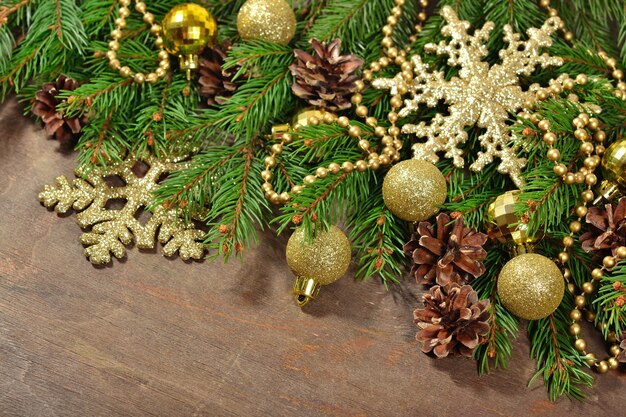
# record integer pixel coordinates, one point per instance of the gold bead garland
(114, 44)
(587, 130)
(389, 137)
(586, 175)
(616, 73)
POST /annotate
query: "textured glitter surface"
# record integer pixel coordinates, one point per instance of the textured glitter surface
(111, 229)
(481, 95)
(531, 286)
(266, 20)
(413, 190)
(325, 259)
(188, 29)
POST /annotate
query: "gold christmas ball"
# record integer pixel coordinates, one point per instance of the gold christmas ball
(501, 213)
(187, 29)
(320, 261)
(413, 190)
(531, 286)
(266, 20)
(614, 163)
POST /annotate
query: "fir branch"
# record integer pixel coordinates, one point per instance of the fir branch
(377, 236)
(558, 362)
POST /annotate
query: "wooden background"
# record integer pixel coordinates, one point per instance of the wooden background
(150, 336)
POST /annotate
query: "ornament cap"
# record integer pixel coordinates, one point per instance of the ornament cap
(607, 191)
(305, 289)
(188, 63)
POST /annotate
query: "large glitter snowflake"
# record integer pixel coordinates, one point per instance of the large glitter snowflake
(481, 95)
(112, 229)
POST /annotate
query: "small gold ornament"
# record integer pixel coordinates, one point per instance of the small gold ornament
(266, 20)
(531, 286)
(112, 229)
(613, 170)
(321, 261)
(413, 190)
(187, 29)
(502, 214)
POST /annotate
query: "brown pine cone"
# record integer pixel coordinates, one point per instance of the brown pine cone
(64, 129)
(452, 321)
(216, 83)
(446, 252)
(327, 79)
(607, 228)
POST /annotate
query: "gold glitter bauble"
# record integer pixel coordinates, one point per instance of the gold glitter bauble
(320, 261)
(187, 29)
(266, 20)
(413, 190)
(613, 171)
(531, 286)
(502, 214)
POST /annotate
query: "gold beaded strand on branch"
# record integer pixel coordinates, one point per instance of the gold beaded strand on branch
(586, 130)
(616, 73)
(389, 137)
(117, 34)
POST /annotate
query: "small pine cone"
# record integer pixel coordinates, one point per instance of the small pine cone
(216, 83)
(326, 80)
(64, 129)
(607, 228)
(446, 252)
(452, 321)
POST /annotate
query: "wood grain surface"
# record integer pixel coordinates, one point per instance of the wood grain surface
(150, 336)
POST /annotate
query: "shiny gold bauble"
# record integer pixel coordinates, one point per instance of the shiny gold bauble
(320, 261)
(187, 29)
(266, 20)
(614, 163)
(502, 214)
(413, 190)
(531, 286)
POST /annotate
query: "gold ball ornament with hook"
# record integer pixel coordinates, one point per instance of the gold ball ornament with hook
(413, 190)
(187, 29)
(531, 286)
(266, 20)
(316, 262)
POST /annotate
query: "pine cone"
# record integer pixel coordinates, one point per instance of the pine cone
(57, 124)
(216, 83)
(452, 321)
(326, 80)
(607, 228)
(446, 253)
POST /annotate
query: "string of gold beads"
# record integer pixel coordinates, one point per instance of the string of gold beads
(389, 136)
(116, 36)
(587, 130)
(616, 73)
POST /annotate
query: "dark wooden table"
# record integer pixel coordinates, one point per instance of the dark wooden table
(154, 336)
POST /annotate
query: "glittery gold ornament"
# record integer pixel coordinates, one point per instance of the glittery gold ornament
(613, 170)
(413, 190)
(481, 95)
(111, 229)
(266, 20)
(320, 261)
(502, 214)
(531, 286)
(187, 29)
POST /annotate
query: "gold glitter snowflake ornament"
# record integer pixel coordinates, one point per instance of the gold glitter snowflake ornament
(112, 229)
(481, 95)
